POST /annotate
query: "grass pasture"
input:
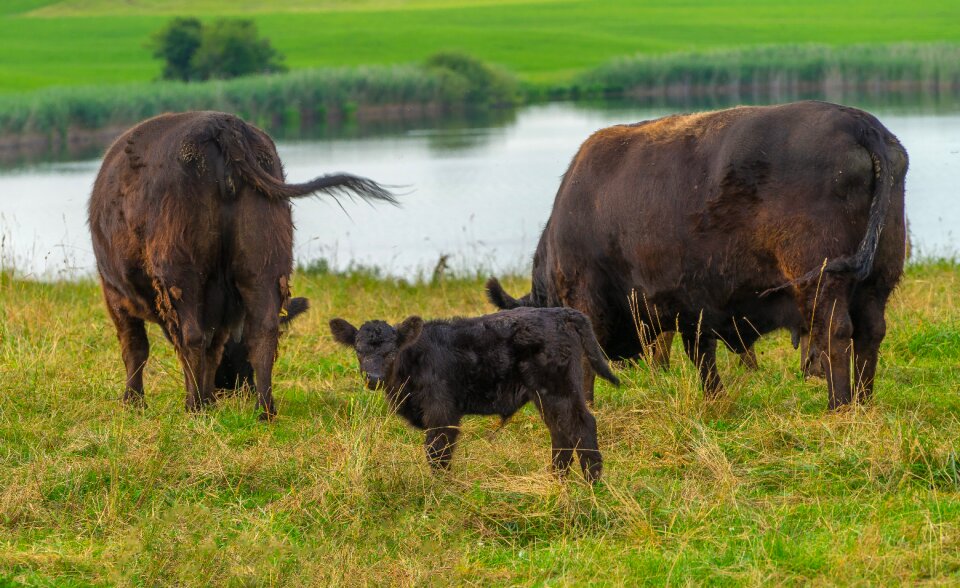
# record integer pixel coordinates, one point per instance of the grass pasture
(763, 486)
(85, 42)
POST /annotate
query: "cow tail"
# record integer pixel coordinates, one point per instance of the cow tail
(860, 264)
(499, 297)
(249, 157)
(333, 184)
(591, 347)
(293, 308)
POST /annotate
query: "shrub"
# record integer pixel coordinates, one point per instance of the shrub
(486, 84)
(228, 48)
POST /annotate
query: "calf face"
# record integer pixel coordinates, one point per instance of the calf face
(377, 344)
(436, 372)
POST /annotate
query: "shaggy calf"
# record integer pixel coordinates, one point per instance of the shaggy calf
(433, 373)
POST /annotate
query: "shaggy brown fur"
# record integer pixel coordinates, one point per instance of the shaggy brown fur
(434, 373)
(728, 225)
(192, 229)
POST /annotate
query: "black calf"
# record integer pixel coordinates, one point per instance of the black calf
(433, 373)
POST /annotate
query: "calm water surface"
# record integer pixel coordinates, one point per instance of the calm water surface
(479, 195)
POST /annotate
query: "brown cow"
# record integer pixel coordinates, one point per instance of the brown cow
(191, 224)
(727, 225)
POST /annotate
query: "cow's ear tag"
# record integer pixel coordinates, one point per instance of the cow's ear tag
(283, 312)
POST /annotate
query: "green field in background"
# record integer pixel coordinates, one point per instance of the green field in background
(73, 42)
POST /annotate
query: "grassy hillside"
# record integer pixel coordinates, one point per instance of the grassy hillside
(72, 42)
(762, 487)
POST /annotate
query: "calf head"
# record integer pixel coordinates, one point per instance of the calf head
(377, 344)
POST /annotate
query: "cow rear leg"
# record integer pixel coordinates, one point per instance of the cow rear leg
(263, 352)
(134, 347)
(830, 337)
(261, 332)
(869, 329)
(702, 351)
(748, 359)
(192, 360)
(660, 350)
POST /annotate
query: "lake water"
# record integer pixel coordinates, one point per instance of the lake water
(479, 194)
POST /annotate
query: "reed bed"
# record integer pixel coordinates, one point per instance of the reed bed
(780, 69)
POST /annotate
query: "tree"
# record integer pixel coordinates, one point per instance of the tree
(176, 44)
(232, 48)
(226, 48)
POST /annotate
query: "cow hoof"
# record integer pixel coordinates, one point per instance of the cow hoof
(267, 416)
(134, 402)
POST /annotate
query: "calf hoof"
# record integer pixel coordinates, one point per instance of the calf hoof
(592, 473)
(267, 415)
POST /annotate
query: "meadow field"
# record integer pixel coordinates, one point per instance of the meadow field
(83, 42)
(763, 486)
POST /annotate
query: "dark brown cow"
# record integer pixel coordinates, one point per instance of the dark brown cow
(727, 225)
(192, 229)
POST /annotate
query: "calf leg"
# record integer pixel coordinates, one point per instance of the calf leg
(439, 443)
(134, 346)
(589, 379)
(572, 427)
(442, 422)
(702, 351)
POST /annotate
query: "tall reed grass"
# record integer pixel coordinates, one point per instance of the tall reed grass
(305, 96)
(783, 68)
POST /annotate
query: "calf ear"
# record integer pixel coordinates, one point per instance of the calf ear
(409, 331)
(343, 332)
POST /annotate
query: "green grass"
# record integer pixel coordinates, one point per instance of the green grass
(84, 42)
(761, 487)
